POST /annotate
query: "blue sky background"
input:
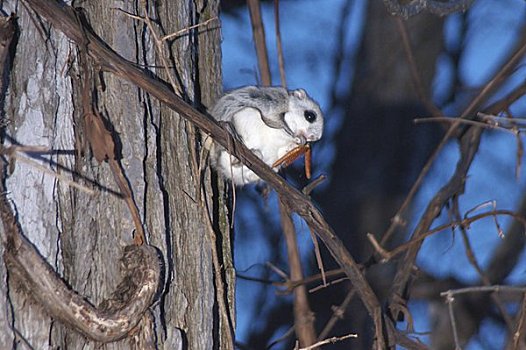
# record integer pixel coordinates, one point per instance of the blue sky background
(309, 32)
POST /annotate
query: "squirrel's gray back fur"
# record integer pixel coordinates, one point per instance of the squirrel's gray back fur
(271, 102)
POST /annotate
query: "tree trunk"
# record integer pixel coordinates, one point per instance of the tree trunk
(83, 236)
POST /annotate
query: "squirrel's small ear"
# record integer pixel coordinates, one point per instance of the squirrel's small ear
(299, 93)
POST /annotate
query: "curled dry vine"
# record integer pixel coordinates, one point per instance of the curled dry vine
(116, 317)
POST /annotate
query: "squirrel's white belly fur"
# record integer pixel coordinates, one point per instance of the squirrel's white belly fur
(267, 143)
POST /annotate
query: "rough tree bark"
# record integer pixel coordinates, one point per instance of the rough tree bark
(83, 236)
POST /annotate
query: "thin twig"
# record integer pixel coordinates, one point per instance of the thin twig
(484, 289)
(187, 29)
(278, 271)
(325, 285)
(317, 254)
(303, 316)
(449, 301)
(473, 260)
(174, 34)
(518, 334)
(481, 124)
(313, 184)
(337, 314)
(329, 341)
(286, 335)
(45, 170)
(501, 121)
(37, 152)
(290, 285)
(281, 60)
(387, 255)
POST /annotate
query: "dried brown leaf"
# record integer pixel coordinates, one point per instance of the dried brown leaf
(99, 138)
(294, 154)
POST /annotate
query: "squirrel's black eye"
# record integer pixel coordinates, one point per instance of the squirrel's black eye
(310, 116)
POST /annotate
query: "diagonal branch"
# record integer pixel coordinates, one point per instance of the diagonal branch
(65, 19)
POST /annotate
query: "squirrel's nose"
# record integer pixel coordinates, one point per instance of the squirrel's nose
(310, 136)
(300, 139)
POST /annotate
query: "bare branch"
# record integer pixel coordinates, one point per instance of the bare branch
(303, 316)
(258, 30)
(281, 59)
